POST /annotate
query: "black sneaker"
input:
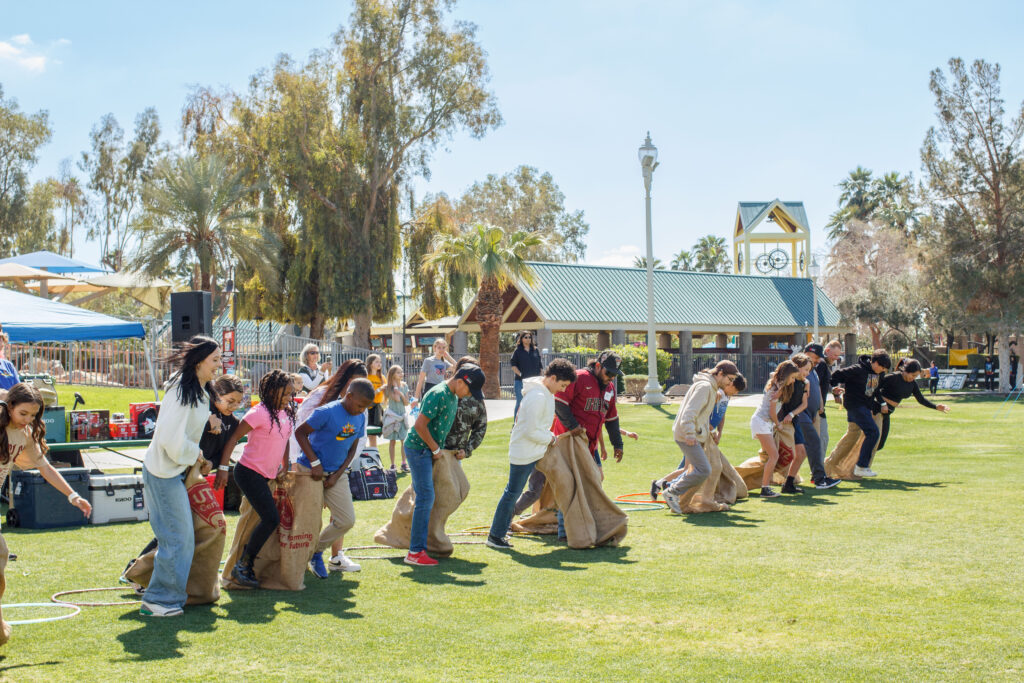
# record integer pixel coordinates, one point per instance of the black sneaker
(655, 488)
(769, 492)
(498, 543)
(789, 487)
(827, 483)
(244, 575)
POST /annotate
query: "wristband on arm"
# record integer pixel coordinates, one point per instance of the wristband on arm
(223, 468)
(314, 463)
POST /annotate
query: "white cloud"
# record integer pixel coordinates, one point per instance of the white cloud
(62, 42)
(621, 256)
(18, 51)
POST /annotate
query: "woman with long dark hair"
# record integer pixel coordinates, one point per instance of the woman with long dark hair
(184, 414)
(525, 363)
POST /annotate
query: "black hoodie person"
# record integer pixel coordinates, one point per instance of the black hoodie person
(861, 380)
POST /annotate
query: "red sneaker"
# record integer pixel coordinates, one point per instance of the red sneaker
(420, 559)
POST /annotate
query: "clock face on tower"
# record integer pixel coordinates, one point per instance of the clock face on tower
(772, 262)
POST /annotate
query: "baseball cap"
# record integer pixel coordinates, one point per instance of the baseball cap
(473, 376)
(610, 362)
(817, 349)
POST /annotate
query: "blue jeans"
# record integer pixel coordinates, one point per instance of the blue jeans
(517, 476)
(861, 416)
(171, 518)
(561, 520)
(517, 389)
(421, 465)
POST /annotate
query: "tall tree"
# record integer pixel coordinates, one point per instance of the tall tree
(347, 129)
(490, 259)
(197, 215)
(21, 136)
(38, 227)
(117, 171)
(641, 262)
(974, 173)
(682, 260)
(711, 255)
(72, 206)
(525, 199)
(857, 201)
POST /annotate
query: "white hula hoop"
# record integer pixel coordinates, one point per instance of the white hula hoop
(42, 620)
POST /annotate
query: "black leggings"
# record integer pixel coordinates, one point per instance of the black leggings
(254, 487)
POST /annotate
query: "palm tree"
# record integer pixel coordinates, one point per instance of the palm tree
(857, 201)
(682, 261)
(641, 262)
(197, 214)
(491, 259)
(711, 255)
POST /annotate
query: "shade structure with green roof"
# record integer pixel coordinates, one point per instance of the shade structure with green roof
(579, 298)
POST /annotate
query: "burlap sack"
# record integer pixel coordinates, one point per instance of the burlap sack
(450, 488)
(591, 517)
(843, 458)
(281, 563)
(544, 519)
(210, 534)
(723, 488)
(752, 470)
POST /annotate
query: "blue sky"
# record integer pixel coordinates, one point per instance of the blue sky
(745, 100)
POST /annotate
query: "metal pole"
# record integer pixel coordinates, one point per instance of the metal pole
(652, 392)
(814, 286)
(149, 362)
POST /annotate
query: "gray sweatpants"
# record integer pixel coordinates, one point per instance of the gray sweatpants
(823, 434)
(812, 444)
(697, 472)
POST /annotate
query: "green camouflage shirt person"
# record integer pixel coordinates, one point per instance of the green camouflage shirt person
(469, 428)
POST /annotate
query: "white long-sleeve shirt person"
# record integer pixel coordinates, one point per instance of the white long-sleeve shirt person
(531, 434)
(175, 444)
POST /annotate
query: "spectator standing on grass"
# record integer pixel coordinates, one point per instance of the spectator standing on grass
(990, 374)
(314, 373)
(395, 428)
(8, 373)
(525, 363)
(435, 367)
(184, 415)
(933, 377)
(423, 447)
(375, 413)
(531, 436)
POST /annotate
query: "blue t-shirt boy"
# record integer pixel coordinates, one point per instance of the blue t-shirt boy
(8, 374)
(334, 428)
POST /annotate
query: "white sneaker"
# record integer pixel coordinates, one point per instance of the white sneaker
(864, 472)
(340, 563)
(672, 500)
(151, 610)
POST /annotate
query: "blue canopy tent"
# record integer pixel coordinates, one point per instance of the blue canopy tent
(26, 318)
(54, 263)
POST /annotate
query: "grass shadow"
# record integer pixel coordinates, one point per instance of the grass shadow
(449, 571)
(4, 669)
(560, 557)
(159, 638)
(899, 485)
(332, 596)
(732, 518)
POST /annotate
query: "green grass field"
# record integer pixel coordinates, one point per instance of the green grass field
(914, 576)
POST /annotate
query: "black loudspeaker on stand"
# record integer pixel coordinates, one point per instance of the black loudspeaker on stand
(191, 314)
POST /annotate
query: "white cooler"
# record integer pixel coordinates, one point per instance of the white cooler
(117, 498)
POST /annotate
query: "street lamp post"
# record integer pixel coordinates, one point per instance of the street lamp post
(814, 270)
(648, 155)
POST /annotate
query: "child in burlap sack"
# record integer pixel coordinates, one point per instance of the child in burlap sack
(765, 421)
(264, 458)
